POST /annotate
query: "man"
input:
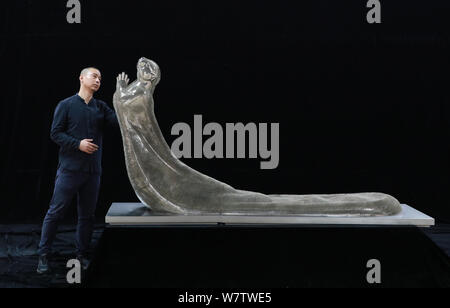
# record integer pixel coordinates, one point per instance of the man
(77, 128)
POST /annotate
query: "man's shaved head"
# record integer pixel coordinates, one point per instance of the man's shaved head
(87, 69)
(90, 79)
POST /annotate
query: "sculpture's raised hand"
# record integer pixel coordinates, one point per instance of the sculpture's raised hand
(122, 82)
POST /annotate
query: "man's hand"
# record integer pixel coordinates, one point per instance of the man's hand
(122, 82)
(87, 146)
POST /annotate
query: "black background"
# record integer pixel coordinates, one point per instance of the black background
(362, 107)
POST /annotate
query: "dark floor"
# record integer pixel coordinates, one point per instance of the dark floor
(18, 253)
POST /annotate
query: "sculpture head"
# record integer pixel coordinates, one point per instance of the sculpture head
(148, 71)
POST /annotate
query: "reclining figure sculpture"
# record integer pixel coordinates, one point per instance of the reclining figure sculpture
(165, 184)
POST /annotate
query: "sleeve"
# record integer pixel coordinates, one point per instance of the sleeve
(59, 126)
(110, 116)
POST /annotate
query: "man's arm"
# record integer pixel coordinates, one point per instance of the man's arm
(58, 131)
(110, 116)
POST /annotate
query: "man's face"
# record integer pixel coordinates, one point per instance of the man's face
(91, 80)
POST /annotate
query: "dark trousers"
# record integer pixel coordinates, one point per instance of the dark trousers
(67, 185)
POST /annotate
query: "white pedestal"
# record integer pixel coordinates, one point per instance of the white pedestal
(123, 213)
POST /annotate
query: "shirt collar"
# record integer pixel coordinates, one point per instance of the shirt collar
(82, 100)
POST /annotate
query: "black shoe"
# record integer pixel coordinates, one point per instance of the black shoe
(84, 262)
(43, 267)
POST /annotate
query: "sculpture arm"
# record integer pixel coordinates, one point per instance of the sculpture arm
(121, 85)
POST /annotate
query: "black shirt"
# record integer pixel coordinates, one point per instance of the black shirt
(73, 121)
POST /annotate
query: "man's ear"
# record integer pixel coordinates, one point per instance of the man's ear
(81, 78)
